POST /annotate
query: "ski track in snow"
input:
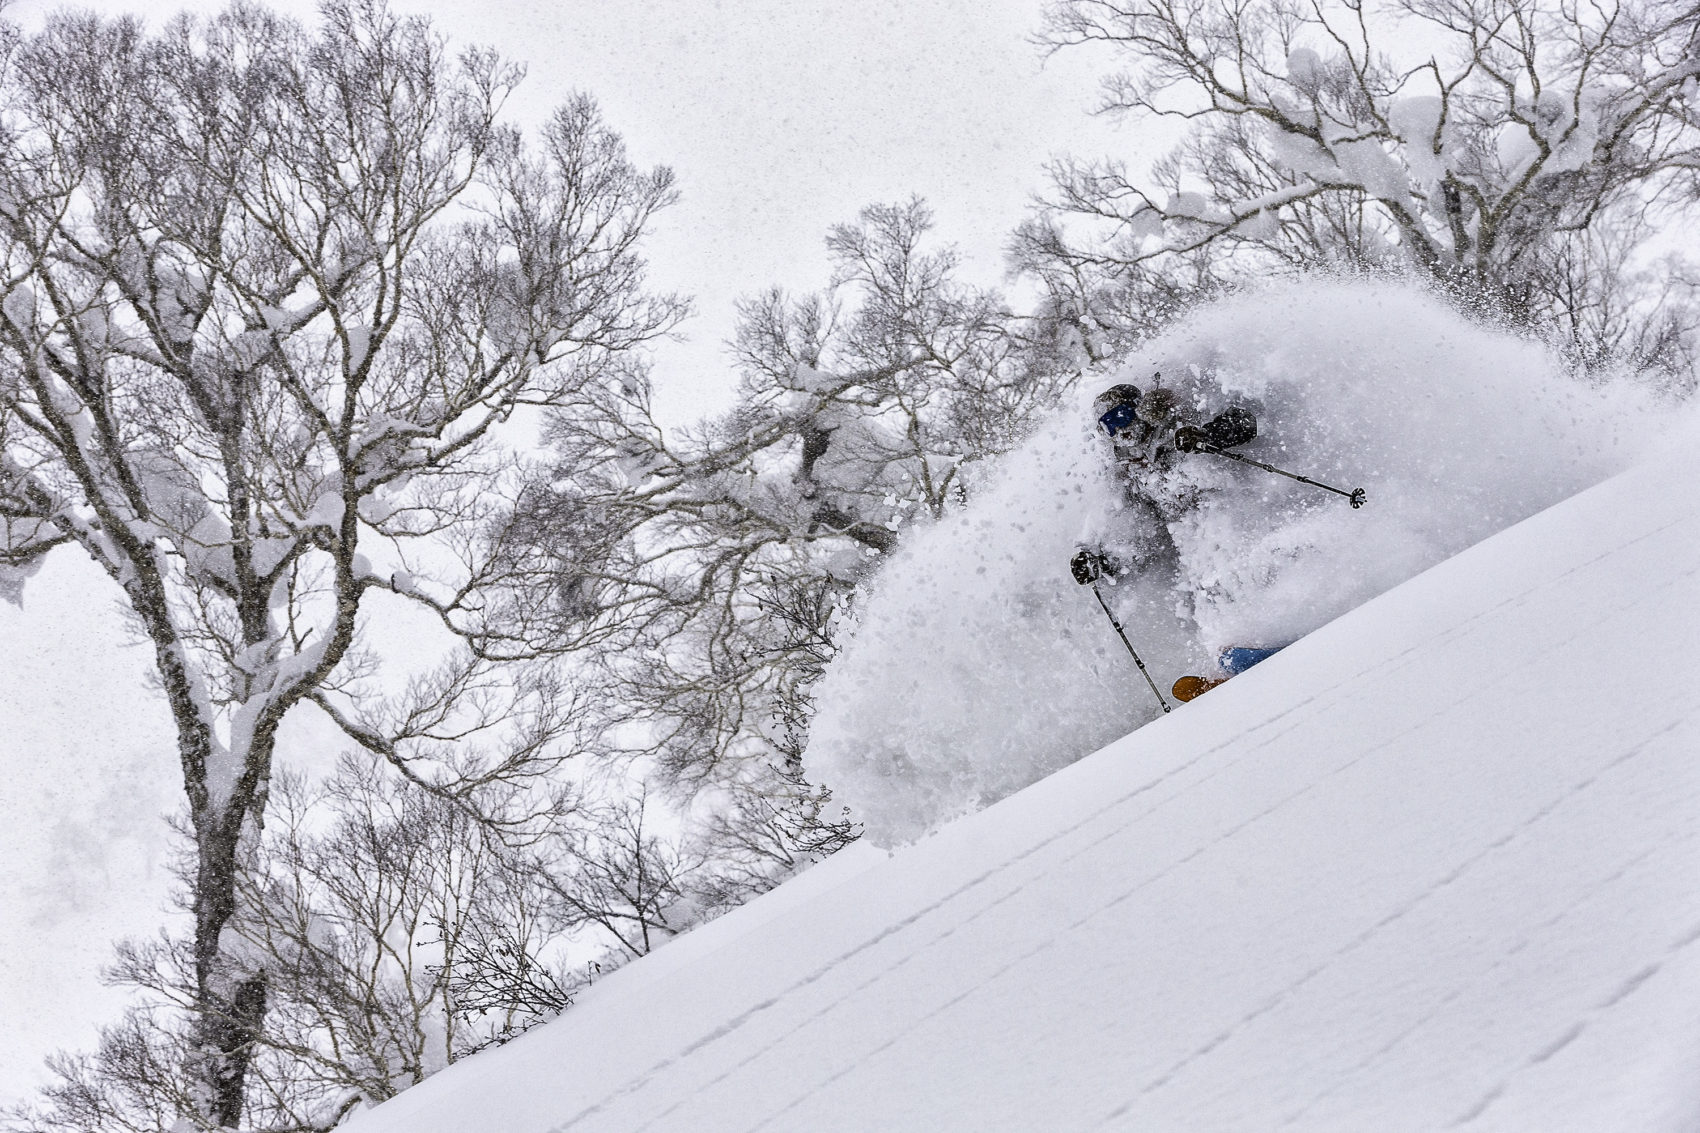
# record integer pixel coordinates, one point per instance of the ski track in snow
(1689, 708)
(1574, 1032)
(1392, 918)
(1273, 1001)
(1455, 994)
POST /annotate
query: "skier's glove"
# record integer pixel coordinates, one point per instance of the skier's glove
(1087, 566)
(1189, 438)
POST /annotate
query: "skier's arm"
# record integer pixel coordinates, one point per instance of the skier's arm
(1112, 544)
(1235, 425)
(1087, 565)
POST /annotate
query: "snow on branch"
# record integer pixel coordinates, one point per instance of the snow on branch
(267, 292)
(1461, 141)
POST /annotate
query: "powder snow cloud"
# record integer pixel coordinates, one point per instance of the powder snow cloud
(978, 665)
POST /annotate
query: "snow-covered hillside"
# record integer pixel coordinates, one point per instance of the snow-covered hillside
(1436, 865)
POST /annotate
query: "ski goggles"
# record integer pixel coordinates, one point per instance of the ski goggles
(1118, 418)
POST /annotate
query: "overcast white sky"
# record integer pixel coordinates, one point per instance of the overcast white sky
(783, 117)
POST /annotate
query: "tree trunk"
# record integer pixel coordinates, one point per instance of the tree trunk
(230, 1004)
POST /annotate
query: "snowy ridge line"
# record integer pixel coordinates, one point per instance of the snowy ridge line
(1430, 868)
(953, 928)
(1242, 752)
(894, 929)
(1565, 911)
(885, 972)
(1269, 1005)
(900, 926)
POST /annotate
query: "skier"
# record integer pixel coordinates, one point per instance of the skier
(1147, 438)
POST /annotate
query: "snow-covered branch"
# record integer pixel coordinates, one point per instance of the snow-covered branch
(266, 292)
(1320, 137)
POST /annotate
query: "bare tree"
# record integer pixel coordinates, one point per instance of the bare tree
(266, 295)
(372, 907)
(861, 409)
(1480, 143)
(622, 877)
(367, 899)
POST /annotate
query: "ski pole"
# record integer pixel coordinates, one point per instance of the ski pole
(1356, 495)
(1123, 635)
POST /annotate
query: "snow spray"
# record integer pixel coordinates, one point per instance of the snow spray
(976, 668)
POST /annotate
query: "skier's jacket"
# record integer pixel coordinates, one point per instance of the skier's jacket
(1147, 438)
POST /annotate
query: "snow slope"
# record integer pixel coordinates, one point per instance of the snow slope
(1437, 865)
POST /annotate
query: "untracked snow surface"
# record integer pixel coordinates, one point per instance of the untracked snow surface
(1437, 865)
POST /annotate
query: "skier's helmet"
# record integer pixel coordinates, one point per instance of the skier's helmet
(1123, 394)
(1117, 407)
(1157, 407)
